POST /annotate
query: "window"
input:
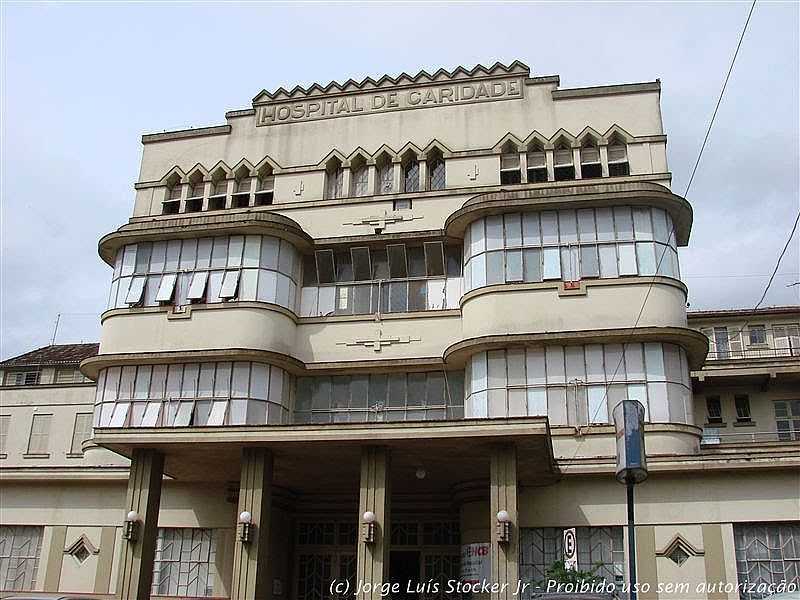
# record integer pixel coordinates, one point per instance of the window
(265, 190)
(509, 166)
(787, 340)
(563, 167)
(742, 402)
(22, 378)
(766, 557)
(185, 562)
(722, 342)
(590, 160)
(20, 548)
(537, 164)
(66, 376)
(241, 188)
(172, 198)
(436, 173)
(384, 183)
(713, 410)
(81, 432)
(359, 175)
(787, 419)
(334, 179)
(758, 335)
(194, 203)
(401, 204)
(39, 441)
(617, 158)
(219, 191)
(5, 422)
(410, 174)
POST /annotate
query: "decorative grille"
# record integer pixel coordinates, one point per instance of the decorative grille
(20, 547)
(600, 547)
(314, 576)
(440, 568)
(766, 554)
(185, 562)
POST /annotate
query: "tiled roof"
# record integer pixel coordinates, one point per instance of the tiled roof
(57, 354)
(744, 312)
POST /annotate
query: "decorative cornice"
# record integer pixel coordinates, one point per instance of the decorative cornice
(498, 69)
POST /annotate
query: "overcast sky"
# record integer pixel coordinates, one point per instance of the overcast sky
(82, 82)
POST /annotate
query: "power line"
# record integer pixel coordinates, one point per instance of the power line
(719, 100)
(672, 234)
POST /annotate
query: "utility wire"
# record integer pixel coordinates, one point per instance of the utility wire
(672, 232)
(719, 100)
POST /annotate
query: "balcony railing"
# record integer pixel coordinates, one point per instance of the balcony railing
(712, 436)
(753, 353)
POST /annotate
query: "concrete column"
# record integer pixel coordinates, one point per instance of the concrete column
(549, 157)
(523, 167)
(250, 559)
(397, 177)
(346, 178)
(374, 496)
(372, 174)
(144, 497)
(604, 159)
(503, 496)
(576, 161)
(423, 175)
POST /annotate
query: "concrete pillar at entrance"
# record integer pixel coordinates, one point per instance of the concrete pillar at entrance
(503, 496)
(373, 558)
(255, 496)
(144, 497)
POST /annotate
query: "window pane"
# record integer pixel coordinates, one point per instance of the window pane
(477, 237)
(362, 268)
(494, 267)
(646, 257)
(567, 227)
(549, 227)
(532, 265)
(188, 254)
(552, 263)
(623, 222)
(627, 259)
(530, 229)
(494, 232)
(219, 253)
(397, 261)
(325, 268)
(554, 356)
(605, 224)
(608, 260)
(642, 227)
(269, 253)
(589, 264)
(586, 229)
(514, 265)
(416, 261)
(513, 229)
(434, 258)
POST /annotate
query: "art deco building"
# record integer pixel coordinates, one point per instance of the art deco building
(352, 324)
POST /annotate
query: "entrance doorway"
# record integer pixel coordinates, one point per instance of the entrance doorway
(404, 569)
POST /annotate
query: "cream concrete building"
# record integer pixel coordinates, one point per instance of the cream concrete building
(416, 299)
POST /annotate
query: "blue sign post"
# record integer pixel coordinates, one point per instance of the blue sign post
(631, 467)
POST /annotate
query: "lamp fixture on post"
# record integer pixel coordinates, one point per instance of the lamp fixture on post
(631, 468)
(503, 527)
(368, 527)
(245, 527)
(131, 530)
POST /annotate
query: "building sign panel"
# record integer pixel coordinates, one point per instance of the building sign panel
(375, 101)
(475, 565)
(570, 546)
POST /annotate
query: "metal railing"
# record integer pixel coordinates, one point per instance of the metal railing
(752, 353)
(712, 436)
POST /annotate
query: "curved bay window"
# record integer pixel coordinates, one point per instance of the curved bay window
(580, 385)
(193, 395)
(386, 279)
(569, 245)
(436, 395)
(257, 268)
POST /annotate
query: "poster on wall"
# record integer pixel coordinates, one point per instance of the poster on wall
(475, 563)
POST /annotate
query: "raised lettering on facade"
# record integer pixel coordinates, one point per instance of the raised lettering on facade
(426, 97)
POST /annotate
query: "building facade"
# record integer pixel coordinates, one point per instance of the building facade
(354, 323)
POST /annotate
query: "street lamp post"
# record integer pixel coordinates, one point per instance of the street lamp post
(631, 468)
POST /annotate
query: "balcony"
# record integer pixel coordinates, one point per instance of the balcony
(712, 436)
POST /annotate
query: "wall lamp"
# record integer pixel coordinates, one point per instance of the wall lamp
(245, 532)
(503, 527)
(368, 527)
(131, 530)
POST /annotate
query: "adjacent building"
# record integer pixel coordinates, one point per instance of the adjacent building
(351, 325)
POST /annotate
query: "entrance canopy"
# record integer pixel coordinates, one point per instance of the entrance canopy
(431, 456)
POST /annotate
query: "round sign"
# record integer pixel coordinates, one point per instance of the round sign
(569, 543)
